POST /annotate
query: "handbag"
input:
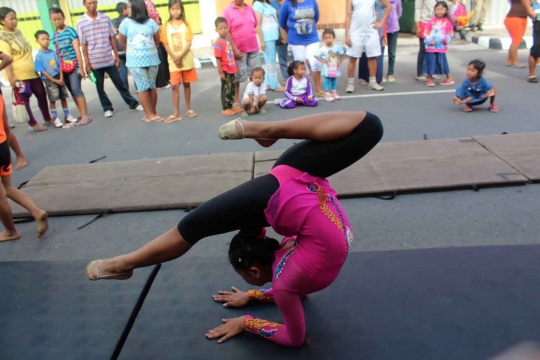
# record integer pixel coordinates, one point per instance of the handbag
(283, 37)
(20, 114)
(67, 66)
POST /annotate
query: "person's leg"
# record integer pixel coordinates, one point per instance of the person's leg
(240, 77)
(532, 67)
(241, 208)
(246, 106)
(298, 52)
(187, 96)
(372, 66)
(78, 97)
(100, 87)
(420, 58)
(124, 72)
(152, 74)
(311, 50)
(351, 68)
(114, 75)
(14, 145)
(41, 95)
(327, 84)
(23, 200)
(10, 232)
(271, 76)
(516, 28)
(478, 6)
(392, 46)
(262, 101)
(283, 56)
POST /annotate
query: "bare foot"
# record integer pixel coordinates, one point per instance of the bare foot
(42, 221)
(109, 269)
(9, 235)
(21, 163)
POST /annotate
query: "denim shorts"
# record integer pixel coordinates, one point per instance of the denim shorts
(73, 83)
(55, 92)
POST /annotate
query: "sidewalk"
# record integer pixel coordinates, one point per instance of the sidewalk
(497, 38)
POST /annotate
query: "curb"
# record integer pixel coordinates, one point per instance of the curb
(496, 43)
(207, 62)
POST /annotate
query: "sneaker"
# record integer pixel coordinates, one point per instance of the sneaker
(58, 123)
(328, 97)
(138, 108)
(350, 88)
(375, 86)
(335, 95)
(277, 101)
(108, 114)
(70, 118)
(448, 82)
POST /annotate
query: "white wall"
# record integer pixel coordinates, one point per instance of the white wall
(208, 16)
(21, 6)
(496, 13)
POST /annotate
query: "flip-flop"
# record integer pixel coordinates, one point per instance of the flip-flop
(156, 119)
(263, 111)
(532, 79)
(84, 121)
(191, 114)
(518, 66)
(494, 109)
(172, 119)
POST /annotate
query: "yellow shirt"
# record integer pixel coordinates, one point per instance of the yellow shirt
(177, 38)
(15, 45)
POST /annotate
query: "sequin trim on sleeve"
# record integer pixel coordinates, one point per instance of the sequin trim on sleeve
(261, 327)
(259, 295)
(279, 268)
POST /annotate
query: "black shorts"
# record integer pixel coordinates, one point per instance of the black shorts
(5, 159)
(535, 49)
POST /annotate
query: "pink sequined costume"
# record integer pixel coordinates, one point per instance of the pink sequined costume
(305, 210)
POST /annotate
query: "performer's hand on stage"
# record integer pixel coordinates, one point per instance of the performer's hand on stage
(236, 298)
(229, 329)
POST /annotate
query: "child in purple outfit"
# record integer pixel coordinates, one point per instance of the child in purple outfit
(298, 89)
(392, 33)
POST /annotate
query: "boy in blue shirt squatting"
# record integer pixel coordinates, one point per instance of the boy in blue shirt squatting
(475, 90)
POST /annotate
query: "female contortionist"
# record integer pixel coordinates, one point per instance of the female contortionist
(295, 199)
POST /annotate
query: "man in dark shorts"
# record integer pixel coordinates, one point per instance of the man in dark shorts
(535, 49)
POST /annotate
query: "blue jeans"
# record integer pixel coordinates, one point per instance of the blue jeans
(73, 83)
(124, 72)
(271, 78)
(114, 75)
(283, 56)
(330, 83)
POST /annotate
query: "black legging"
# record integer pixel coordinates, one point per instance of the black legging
(242, 208)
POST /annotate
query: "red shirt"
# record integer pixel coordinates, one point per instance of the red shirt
(223, 51)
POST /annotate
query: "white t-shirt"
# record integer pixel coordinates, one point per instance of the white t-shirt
(363, 17)
(299, 87)
(254, 90)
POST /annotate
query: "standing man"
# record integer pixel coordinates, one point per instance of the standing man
(97, 35)
(282, 44)
(481, 8)
(361, 35)
(121, 8)
(424, 10)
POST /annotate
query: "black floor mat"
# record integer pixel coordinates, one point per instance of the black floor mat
(456, 303)
(49, 310)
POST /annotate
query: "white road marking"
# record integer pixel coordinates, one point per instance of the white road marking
(405, 93)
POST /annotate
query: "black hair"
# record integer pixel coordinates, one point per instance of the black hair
(56, 10)
(4, 11)
(258, 69)
(293, 66)
(443, 4)
(179, 2)
(263, 1)
(479, 65)
(293, 3)
(120, 7)
(220, 20)
(329, 32)
(40, 32)
(247, 250)
(138, 11)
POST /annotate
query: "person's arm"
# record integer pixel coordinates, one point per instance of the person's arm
(387, 9)
(449, 32)
(258, 30)
(527, 5)
(4, 112)
(112, 35)
(309, 89)
(122, 40)
(287, 91)
(6, 50)
(293, 332)
(284, 16)
(5, 60)
(317, 15)
(84, 45)
(77, 47)
(220, 68)
(418, 4)
(399, 6)
(189, 39)
(348, 15)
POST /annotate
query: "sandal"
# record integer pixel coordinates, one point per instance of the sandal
(156, 119)
(84, 121)
(494, 109)
(172, 119)
(191, 114)
(518, 66)
(90, 274)
(263, 111)
(468, 108)
(532, 80)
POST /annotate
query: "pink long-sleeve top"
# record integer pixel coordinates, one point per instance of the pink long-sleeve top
(318, 237)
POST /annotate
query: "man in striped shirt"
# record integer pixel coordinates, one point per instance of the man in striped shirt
(97, 33)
